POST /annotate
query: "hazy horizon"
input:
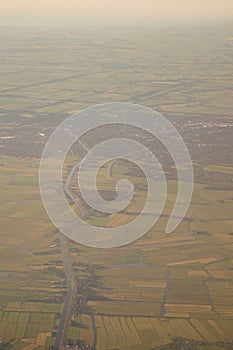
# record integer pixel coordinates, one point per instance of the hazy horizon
(107, 12)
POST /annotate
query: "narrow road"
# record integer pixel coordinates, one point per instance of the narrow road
(69, 193)
(71, 284)
(70, 296)
(70, 281)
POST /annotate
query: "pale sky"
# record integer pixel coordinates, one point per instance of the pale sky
(112, 11)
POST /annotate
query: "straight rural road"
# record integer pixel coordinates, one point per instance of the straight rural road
(70, 296)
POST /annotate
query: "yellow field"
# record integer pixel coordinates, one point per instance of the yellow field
(41, 338)
(136, 332)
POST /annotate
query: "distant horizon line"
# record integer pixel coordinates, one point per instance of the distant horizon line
(115, 25)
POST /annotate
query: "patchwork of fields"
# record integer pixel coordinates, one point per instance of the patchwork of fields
(135, 333)
(166, 286)
(163, 285)
(29, 330)
(32, 278)
(140, 332)
(160, 287)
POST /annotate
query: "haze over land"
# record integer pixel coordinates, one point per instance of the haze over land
(126, 12)
(174, 290)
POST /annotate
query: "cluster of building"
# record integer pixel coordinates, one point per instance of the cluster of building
(78, 346)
